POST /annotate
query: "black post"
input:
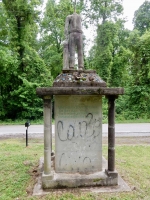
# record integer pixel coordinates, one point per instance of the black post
(27, 137)
(111, 133)
(27, 124)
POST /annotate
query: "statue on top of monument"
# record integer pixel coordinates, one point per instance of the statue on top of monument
(73, 42)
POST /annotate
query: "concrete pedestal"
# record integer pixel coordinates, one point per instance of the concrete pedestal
(78, 134)
(78, 131)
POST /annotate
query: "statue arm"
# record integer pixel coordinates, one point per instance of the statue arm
(67, 27)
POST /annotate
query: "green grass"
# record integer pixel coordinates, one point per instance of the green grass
(16, 163)
(133, 164)
(18, 167)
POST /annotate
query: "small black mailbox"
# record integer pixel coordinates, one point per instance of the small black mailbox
(27, 124)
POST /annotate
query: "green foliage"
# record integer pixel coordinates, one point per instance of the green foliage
(53, 34)
(4, 26)
(141, 17)
(141, 60)
(104, 49)
(138, 91)
(119, 68)
(104, 10)
(110, 55)
(22, 101)
(17, 168)
(22, 69)
(121, 57)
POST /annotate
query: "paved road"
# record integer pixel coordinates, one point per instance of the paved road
(122, 130)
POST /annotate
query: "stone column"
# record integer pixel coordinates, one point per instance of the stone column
(47, 135)
(111, 133)
(112, 174)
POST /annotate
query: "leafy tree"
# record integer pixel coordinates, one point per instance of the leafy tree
(22, 16)
(110, 55)
(104, 10)
(120, 68)
(141, 17)
(22, 68)
(119, 75)
(3, 26)
(140, 73)
(104, 49)
(53, 34)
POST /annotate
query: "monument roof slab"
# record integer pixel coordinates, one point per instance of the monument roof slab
(49, 91)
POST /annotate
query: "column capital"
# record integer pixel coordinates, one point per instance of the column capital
(47, 103)
(113, 97)
(47, 97)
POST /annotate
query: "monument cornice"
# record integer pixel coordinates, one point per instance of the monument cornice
(44, 91)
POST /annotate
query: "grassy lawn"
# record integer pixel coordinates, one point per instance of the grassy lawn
(18, 170)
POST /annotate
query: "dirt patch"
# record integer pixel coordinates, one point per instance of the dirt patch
(34, 173)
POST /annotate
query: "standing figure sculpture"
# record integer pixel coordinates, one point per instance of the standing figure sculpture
(73, 42)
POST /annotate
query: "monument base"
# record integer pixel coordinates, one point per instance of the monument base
(66, 180)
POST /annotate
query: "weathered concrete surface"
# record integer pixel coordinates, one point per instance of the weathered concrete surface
(78, 143)
(47, 136)
(122, 185)
(64, 180)
(44, 91)
(76, 78)
(78, 137)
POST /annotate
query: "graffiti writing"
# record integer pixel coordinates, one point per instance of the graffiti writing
(79, 144)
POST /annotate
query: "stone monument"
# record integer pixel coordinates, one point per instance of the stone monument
(78, 95)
